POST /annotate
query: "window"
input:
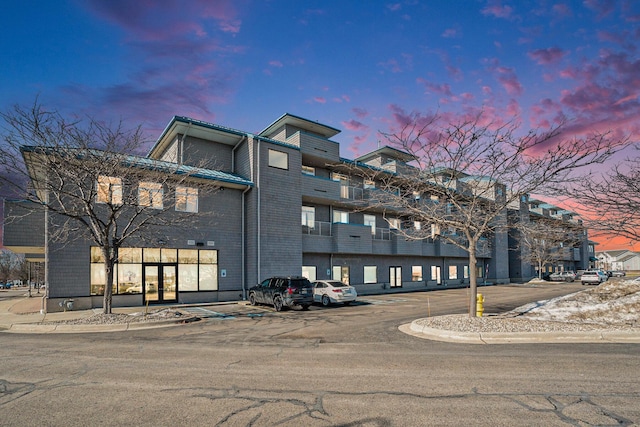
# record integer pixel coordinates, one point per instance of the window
(453, 272)
(395, 277)
(150, 194)
(416, 273)
(369, 184)
(370, 220)
(109, 190)
(197, 269)
(394, 223)
(341, 216)
(465, 272)
(309, 272)
(417, 225)
(308, 216)
(341, 273)
(278, 159)
(308, 170)
(186, 199)
(435, 274)
(370, 274)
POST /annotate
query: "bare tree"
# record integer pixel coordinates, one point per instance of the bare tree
(86, 176)
(465, 175)
(611, 201)
(544, 241)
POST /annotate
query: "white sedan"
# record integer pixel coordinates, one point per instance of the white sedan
(332, 291)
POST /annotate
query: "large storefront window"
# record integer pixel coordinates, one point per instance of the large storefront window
(197, 269)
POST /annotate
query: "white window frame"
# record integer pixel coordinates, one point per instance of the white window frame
(278, 159)
(370, 220)
(190, 196)
(109, 190)
(308, 216)
(150, 194)
(341, 217)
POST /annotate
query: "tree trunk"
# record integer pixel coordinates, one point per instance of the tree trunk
(473, 279)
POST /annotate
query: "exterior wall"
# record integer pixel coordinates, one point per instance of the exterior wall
(23, 224)
(207, 154)
(279, 193)
(69, 262)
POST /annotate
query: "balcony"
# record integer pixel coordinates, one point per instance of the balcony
(320, 190)
(316, 148)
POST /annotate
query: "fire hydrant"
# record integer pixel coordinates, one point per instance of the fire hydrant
(479, 305)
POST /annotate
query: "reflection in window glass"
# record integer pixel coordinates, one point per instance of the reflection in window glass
(97, 279)
(150, 194)
(309, 272)
(186, 199)
(370, 274)
(278, 159)
(129, 278)
(151, 255)
(188, 277)
(128, 255)
(416, 273)
(96, 254)
(208, 277)
(109, 190)
(453, 272)
(208, 257)
(188, 256)
(169, 255)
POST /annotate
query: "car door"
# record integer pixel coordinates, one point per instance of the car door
(320, 289)
(272, 290)
(261, 291)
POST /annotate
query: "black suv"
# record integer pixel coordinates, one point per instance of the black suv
(283, 291)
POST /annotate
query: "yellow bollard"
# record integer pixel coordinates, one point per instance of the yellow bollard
(479, 305)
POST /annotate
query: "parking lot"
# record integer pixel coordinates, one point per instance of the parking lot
(250, 365)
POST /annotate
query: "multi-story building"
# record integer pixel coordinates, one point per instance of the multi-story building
(287, 205)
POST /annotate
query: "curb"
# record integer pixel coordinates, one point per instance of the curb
(420, 331)
(32, 328)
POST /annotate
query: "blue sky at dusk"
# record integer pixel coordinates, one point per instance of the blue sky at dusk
(361, 67)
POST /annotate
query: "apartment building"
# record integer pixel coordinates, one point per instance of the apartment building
(287, 204)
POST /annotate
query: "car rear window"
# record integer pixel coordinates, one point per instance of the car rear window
(338, 284)
(301, 283)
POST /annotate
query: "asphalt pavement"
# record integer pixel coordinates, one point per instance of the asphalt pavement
(25, 314)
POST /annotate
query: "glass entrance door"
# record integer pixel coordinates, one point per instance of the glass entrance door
(160, 283)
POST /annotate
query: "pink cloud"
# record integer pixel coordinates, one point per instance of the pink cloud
(509, 81)
(354, 125)
(497, 10)
(450, 33)
(547, 56)
(441, 89)
(601, 7)
(561, 10)
(361, 113)
(320, 100)
(394, 7)
(276, 64)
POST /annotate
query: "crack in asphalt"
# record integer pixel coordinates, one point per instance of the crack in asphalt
(310, 404)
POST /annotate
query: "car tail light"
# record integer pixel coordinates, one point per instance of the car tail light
(290, 291)
(337, 290)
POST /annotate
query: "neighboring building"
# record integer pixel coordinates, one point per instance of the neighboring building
(288, 207)
(622, 260)
(572, 253)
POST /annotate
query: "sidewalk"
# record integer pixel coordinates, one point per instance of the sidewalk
(25, 315)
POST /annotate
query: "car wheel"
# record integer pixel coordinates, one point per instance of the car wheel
(305, 306)
(277, 303)
(325, 301)
(252, 299)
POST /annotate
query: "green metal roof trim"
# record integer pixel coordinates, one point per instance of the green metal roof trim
(153, 164)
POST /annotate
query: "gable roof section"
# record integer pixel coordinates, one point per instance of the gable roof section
(302, 123)
(180, 125)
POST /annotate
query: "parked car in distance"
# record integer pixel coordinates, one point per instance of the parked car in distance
(333, 291)
(562, 276)
(593, 277)
(7, 285)
(618, 273)
(282, 292)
